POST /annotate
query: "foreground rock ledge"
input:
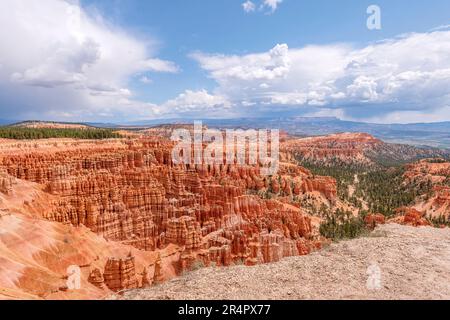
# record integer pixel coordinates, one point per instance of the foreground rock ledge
(414, 264)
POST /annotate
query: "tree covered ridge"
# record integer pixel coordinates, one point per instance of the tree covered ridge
(19, 133)
(383, 189)
(376, 189)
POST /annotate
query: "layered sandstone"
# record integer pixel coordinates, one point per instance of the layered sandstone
(37, 256)
(356, 149)
(120, 274)
(128, 195)
(345, 147)
(435, 173)
(410, 217)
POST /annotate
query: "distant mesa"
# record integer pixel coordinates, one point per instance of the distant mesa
(418, 134)
(50, 125)
(360, 149)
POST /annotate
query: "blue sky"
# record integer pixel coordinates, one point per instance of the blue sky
(222, 26)
(132, 59)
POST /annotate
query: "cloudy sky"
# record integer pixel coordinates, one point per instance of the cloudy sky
(126, 60)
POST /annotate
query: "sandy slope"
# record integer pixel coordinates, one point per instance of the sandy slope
(414, 264)
(35, 254)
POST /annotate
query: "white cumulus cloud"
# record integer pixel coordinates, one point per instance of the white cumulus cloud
(59, 60)
(145, 79)
(407, 75)
(248, 6)
(269, 6)
(272, 4)
(196, 103)
(266, 66)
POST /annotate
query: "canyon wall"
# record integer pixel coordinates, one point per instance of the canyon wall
(436, 174)
(172, 218)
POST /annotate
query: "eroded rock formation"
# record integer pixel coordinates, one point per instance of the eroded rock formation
(411, 217)
(435, 174)
(374, 219)
(130, 194)
(120, 274)
(345, 147)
